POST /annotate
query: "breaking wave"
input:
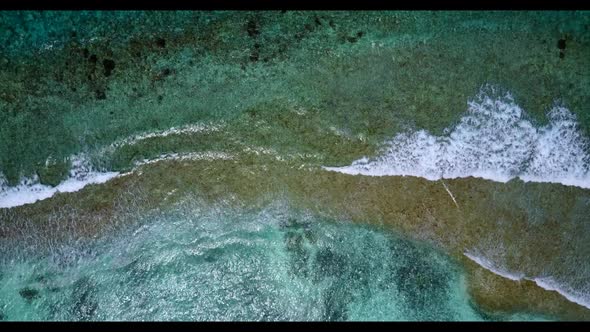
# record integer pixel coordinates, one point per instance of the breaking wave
(495, 140)
(30, 190)
(579, 296)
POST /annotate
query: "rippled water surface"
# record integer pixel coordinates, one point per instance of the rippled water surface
(294, 165)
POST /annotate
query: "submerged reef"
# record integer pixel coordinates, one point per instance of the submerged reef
(301, 165)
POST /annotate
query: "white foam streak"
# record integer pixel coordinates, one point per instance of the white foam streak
(187, 129)
(30, 190)
(491, 266)
(494, 141)
(191, 156)
(569, 293)
(547, 283)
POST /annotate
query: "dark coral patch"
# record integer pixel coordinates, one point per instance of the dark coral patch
(161, 42)
(252, 28)
(109, 65)
(100, 94)
(29, 294)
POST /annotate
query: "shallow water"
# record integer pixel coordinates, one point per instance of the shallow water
(294, 166)
(494, 140)
(200, 263)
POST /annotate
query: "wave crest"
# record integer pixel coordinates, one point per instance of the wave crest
(30, 190)
(494, 140)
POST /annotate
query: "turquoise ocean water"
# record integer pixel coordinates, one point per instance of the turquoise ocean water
(294, 165)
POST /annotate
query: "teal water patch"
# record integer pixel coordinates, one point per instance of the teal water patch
(368, 75)
(329, 87)
(207, 264)
(29, 32)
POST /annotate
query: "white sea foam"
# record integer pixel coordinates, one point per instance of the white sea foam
(30, 190)
(187, 129)
(207, 155)
(494, 141)
(493, 267)
(580, 297)
(549, 283)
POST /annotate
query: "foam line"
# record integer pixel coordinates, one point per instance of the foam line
(547, 283)
(494, 140)
(30, 190)
(187, 129)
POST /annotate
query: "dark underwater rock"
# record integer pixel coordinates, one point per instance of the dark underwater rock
(109, 66)
(83, 299)
(100, 94)
(335, 299)
(161, 42)
(252, 28)
(29, 294)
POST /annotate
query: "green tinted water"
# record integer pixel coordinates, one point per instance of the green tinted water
(309, 88)
(223, 264)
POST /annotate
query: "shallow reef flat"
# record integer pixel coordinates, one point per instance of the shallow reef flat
(369, 74)
(315, 165)
(512, 225)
